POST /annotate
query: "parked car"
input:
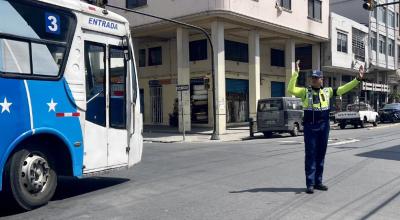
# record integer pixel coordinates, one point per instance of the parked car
(280, 115)
(332, 114)
(357, 114)
(390, 112)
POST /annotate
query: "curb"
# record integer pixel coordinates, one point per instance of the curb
(161, 142)
(384, 126)
(194, 141)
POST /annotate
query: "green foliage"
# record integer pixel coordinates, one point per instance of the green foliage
(394, 97)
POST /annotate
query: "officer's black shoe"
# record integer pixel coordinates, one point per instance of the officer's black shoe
(321, 187)
(310, 190)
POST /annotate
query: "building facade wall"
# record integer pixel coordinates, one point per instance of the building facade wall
(251, 10)
(167, 72)
(234, 20)
(335, 58)
(380, 64)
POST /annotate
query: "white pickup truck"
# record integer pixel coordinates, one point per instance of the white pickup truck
(357, 115)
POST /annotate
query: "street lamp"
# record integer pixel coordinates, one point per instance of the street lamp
(215, 135)
(368, 5)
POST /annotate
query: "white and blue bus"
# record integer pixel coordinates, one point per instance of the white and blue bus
(69, 103)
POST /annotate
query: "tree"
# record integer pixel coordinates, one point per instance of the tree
(394, 97)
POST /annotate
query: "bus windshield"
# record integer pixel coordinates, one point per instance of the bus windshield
(36, 39)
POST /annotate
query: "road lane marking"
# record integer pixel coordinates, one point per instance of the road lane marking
(347, 141)
(344, 142)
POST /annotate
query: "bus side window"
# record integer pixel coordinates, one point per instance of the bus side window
(14, 57)
(95, 83)
(118, 69)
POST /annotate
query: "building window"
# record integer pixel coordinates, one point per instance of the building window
(382, 14)
(398, 53)
(305, 55)
(314, 9)
(135, 3)
(277, 58)
(382, 44)
(358, 44)
(198, 50)
(373, 42)
(277, 89)
(155, 56)
(391, 47)
(236, 51)
(301, 81)
(285, 4)
(346, 78)
(375, 11)
(142, 57)
(391, 18)
(397, 19)
(342, 42)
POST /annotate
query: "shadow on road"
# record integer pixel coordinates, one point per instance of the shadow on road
(274, 136)
(382, 205)
(7, 207)
(261, 190)
(391, 153)
(68, 187)
(71, 187)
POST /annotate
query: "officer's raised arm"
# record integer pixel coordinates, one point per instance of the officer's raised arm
(292, 88)
(351, 85)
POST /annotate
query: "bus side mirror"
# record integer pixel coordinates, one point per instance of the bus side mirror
(127, 48)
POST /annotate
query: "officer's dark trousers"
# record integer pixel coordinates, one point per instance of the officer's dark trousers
(316, 141)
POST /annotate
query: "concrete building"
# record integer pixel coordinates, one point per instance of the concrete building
(255, 43)
(394, 79)
(382, 51)
(346, 51)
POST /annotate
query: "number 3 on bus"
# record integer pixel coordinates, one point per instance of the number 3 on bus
(69, 104)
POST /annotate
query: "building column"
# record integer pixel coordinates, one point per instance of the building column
(316, 57)
(182, 42)
(290, 62)
(377, 93)
(218, 39)
(254, 72)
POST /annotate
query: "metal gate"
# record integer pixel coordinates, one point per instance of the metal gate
(156, 105)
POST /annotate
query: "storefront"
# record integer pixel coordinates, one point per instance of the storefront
(237, 100)
(375, 94)
(156, 98)
(199, 100)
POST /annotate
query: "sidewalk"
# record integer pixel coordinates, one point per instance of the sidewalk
(166, 134)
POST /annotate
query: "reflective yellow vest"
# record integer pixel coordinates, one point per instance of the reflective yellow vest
(319, 107)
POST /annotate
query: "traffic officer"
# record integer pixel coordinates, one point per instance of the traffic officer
(316, 106)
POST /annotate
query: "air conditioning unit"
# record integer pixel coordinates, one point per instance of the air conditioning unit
(277, 6)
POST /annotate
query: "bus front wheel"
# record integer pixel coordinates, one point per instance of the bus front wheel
(31, 178)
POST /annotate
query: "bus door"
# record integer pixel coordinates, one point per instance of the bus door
(106, 134)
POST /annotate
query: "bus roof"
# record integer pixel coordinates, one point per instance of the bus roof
(78, 5)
